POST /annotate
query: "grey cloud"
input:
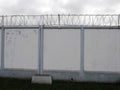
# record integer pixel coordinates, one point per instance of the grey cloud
(106, 6)
(57, 6)
(22, 7)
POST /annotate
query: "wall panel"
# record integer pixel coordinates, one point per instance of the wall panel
(61, 49)
(0, 46)
(21, 48)
(102, 50)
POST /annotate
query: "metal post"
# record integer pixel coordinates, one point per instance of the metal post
(59, 19)
(40, 49)
(82, 51)
(119, 20)
(2, 43)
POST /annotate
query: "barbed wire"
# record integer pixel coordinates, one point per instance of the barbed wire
(60, 19)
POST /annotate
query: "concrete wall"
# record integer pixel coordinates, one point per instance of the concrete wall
(0, 47)
(102, 50)
(61, 49)
(21, 48)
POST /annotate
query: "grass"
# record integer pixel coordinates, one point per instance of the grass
(17, 84)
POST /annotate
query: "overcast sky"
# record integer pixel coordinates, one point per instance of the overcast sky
(59, 6)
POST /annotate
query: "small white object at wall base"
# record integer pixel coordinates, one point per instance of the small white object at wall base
(42, 79)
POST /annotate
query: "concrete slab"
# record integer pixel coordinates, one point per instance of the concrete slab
(42, 79)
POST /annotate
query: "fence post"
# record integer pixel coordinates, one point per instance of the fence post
(40, 49)
(2, 43)
(119, 20)
(82, 51)
(59, 19)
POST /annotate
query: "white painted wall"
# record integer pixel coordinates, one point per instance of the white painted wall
(102, 50)
(21, 49)
(0, 47)
(62, 49)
